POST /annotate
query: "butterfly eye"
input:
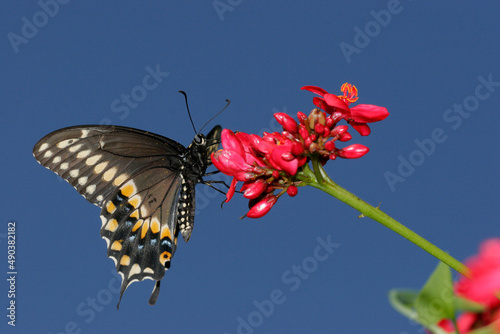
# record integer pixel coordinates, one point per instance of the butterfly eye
(199, 139)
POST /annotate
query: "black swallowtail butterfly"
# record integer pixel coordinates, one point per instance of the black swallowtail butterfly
(144, 184)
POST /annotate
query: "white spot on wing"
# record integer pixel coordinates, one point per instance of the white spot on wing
(43, 147)
(90, 189)
(56, 160)
(83, 154)
(93, 159)
(75, 148)
(109, 174)
(64, 165)
(99, 198)
(65, 143)
(136, 269)
(47, 154)
(120, 179)
(148, 271)
(85, 133)
(74, 173)
(82, 180)
(103, 220)
(100, 167)
(107, 241)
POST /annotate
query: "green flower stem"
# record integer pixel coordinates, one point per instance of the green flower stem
(319, 179)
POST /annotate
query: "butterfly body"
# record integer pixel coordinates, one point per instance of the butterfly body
(144, 184)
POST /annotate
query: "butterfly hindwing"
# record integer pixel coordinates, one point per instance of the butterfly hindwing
(139, 225)
(144, 184)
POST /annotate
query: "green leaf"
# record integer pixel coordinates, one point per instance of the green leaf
(403, 301)
(436, 299)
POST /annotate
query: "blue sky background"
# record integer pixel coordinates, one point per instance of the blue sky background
(428, 57)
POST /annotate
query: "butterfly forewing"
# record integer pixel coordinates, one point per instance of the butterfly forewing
(144, 184)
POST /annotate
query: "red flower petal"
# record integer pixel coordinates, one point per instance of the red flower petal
(484, 282)
(335, 102)
(368, 113)
(362, 128)
(231, 142)
(280, 157)
(320, 103)
(316, 90)
(229, 162)
(230, 191)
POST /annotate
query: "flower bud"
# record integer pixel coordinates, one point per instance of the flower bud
(288, 123)
(303, 132)
(329, 123)
(308, 141)
(339, 130)
(353, 151)
(319, 128)
(297, 148)
(301, 117)
(345, 137)
(313, 147)
(292, 191)
(330, 145)
(254, 189)
(316, 116)
(262, 207)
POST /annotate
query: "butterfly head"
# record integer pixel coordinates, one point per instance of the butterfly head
(203, 146)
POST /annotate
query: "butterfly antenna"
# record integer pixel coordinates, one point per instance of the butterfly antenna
(211, 119)
(187, 106)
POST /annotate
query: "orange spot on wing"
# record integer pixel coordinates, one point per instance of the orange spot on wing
(125, 260)
(110, 207)
(112, 225)
(117, 245)
(135, 214)
(145, 228)
(137, 225)
(127, 190)
(164, 257)
(165, 232)
(155, 225)
(135, 201)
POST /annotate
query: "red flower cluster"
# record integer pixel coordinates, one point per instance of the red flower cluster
(269, 163)
(338, 107)
(264, 164)
(482, 287)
